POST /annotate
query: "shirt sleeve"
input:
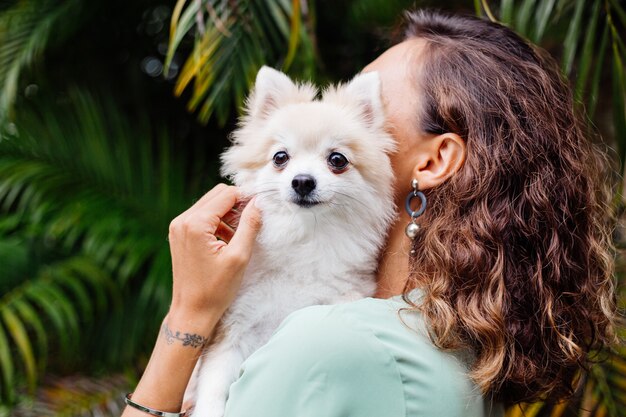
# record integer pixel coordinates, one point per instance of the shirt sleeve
(318, 364)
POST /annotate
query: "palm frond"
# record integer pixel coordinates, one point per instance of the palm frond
(572, 39)
(231, 42)
(51, 305)
(115, 179)
(25, 30)
(85, 181)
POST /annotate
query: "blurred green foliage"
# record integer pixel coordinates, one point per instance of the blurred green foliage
(112, 115)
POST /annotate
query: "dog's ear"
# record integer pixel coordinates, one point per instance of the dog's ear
(272, 89)
(365, 90)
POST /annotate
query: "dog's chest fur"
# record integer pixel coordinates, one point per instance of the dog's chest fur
(300, 260)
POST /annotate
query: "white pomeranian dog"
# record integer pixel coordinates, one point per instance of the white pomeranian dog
(321, 174)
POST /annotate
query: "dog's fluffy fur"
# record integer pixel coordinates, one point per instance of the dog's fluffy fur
(324, 253)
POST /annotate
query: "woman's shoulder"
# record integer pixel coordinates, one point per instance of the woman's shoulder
(433, 382)
(368, 354)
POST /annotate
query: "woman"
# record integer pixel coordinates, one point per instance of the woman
(504, 291)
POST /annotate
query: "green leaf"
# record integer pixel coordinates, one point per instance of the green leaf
(28, 314)
(16, 328)
(571, 39)
(81, 297)
(617, 8)
(562, 6)
(523, 16)
(274, 18)
(103, 288)
(619, 106)
(597, 73)
(542, 16)
(179, 29)
(584, 65)
(55, 316)
(525, 410)
(14, 258)
(6, 367)
(488, 11)
(603, 387)
(506, 12)
(478, 8)
(295, 34)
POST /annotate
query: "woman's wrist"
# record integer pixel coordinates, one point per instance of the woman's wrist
(200, 322)
(179, 344)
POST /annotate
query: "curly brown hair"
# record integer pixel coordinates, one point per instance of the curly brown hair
(516, 261)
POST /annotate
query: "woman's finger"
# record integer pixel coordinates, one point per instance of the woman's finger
(221, 203)
(191, 214)
(231, 219)
(215, 216)
(209, 195)
(224, 232)
(220, 191)
(241, 244)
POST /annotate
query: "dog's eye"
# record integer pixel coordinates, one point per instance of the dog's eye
(337, 161)
(280, 159)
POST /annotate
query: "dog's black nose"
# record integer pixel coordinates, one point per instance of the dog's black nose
(303, 184)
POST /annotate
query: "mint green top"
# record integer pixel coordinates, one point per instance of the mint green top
(356, 360)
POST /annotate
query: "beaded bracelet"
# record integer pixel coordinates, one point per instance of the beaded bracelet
(151, 410)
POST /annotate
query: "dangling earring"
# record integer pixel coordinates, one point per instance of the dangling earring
(412, 229)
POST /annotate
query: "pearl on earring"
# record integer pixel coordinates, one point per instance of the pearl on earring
(412, 229)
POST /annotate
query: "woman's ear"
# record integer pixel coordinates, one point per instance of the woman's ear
(441, 157)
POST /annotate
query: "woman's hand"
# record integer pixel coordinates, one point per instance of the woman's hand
(207, 275)
(207, 272)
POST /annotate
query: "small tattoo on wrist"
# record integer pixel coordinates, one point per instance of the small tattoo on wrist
(187, 339)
